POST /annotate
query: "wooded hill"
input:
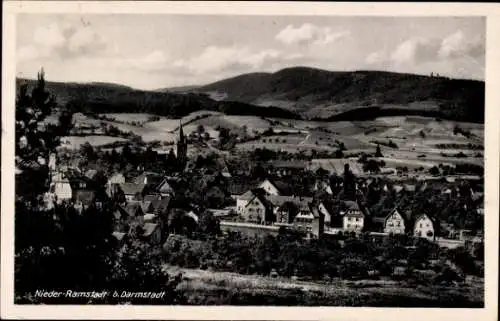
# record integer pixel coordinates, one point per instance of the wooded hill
(362, 95)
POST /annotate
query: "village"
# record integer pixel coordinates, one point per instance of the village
(325, 205)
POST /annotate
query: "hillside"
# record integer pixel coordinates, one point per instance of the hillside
(112, 98)
(321, 94)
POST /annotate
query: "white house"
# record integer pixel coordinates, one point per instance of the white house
(61, 187)
(394, 223)
(353, 219)
(424, 227)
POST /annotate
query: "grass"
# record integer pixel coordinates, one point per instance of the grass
(207, 287)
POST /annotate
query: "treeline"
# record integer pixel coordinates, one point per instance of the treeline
(288, 255)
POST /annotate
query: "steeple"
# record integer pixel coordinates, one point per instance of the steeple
(181, 147)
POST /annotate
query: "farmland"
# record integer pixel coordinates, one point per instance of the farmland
(411, 142)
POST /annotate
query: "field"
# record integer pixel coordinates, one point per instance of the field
(405, 141)
(75, 142)
(221, 288)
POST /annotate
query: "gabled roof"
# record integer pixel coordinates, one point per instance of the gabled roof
(352, 206)
(236, 187)
(131, 188)
(395, 209)
(431, 218)
(248, 195)
(284, 188)
(149, 228)
(165, 186)
(263, 200)
(91, 173)
(118, 235)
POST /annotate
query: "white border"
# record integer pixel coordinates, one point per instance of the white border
(11, 8)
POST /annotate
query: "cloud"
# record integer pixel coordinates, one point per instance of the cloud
(308, 34)
(377, 57)
(417, 51)
(63, 40)
(215, 59)
(458, 45)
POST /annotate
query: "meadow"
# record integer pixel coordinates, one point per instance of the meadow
(222, 288)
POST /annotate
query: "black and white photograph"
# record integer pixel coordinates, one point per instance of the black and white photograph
(169, 159)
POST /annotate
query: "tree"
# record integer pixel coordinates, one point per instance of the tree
(378, 152)
(434, 171)
(200, 130)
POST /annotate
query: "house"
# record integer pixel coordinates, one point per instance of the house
(285, 214)
(273, 187)
(83, 199)
(278, 200)
(132, 191)
(117, 178)
(152, 233)
(394, 223)
(61, 187)
(243, 199)
(353, 217)
(424, 227)
(161, 206)
(258, 210)
(165, 188)
(309, 220)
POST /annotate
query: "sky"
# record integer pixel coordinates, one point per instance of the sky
(159, 51)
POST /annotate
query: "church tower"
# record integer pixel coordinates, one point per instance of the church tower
(181, 147)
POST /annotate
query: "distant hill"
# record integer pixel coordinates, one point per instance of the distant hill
(112, 98)
(321, 94)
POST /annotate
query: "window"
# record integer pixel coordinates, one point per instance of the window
(421, 225)
(258, 210)
(349, 219)
(357, 219)
(398, 223)
(348, 225)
